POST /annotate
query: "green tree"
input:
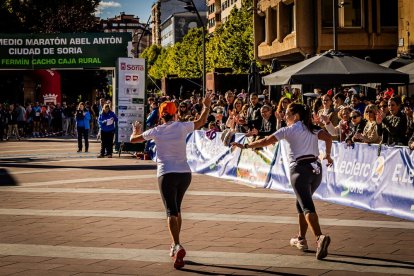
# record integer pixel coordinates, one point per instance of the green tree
(48, 16)
(189, 56)
(232, 42)
(230, 46)
(151, 54)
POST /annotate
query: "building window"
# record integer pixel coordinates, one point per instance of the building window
(350, 14)
(211, 23)
(389, 13)
(327, 17)
(211, 9)
(260, 29)
(291, 18)
(272, 25)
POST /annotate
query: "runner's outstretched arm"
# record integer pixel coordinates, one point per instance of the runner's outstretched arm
(200, 122)
(136, 136)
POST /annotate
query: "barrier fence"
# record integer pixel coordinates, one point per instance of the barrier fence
(371, 177)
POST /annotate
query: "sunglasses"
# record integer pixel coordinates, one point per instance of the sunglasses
(355, 116)
(369, 111)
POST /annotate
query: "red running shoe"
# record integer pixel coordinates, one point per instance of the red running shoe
(179, 254)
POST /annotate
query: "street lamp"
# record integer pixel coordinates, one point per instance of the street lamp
(335, 15)
(335, 7)
(189, 6)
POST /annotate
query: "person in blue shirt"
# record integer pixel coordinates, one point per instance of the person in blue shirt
(83, 118)
(107, 122)
(152, 118)
(36, 116)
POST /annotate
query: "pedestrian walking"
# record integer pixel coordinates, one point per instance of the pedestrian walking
(83, 118)
(305, 170)
(36, 117)
(174, 174)
(107, 123)
(12, 123)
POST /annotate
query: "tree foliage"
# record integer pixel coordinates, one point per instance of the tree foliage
(48, 16)
(151, 54)
(230, 46)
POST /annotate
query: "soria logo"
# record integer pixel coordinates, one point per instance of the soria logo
(123, 66)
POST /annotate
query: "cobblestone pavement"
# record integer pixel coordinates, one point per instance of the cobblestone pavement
(68, 213)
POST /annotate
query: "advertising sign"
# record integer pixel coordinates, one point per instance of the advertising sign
(130, 95)
(254, 165)
(372, 177)
(210, 156)
(78, 50)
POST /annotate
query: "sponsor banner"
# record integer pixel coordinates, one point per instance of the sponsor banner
(396, 173)
(254, 165)
(63, 50)
(355, 176)
(279, 172)
(130, 95)
(363, 176)
(210, 156)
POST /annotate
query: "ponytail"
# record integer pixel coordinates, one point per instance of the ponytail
(304, 114)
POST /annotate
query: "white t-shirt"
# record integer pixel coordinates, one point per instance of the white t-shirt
(301, 141)
(170, 140)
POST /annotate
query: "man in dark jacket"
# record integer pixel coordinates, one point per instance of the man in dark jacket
(254, 119)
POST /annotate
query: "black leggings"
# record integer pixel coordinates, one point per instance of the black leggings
(172, 188)
(304, 183)
(82, 132)
(107, 141)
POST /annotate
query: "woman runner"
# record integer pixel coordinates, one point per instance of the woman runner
(174, 174)
(305, 170)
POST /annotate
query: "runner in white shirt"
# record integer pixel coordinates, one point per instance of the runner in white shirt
(305, 170)
(173, 171)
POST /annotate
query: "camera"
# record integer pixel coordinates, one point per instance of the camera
(79, 115)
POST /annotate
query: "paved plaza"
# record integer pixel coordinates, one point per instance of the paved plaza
(68, 213)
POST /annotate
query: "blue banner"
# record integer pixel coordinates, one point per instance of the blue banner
(254, 165)
(208, 155)
(372, 177)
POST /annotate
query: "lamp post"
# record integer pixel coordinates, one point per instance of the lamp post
(335, 7)
(334, 16)
(189, 5)
(142, 34)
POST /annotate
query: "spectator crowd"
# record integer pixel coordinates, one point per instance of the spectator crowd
(19, 121)
(347, 115)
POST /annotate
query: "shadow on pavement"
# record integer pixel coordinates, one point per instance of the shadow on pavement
(243, 270)
(25, 163)
(6, 179)
(45, 140)
(392, 263)
(4, 161)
